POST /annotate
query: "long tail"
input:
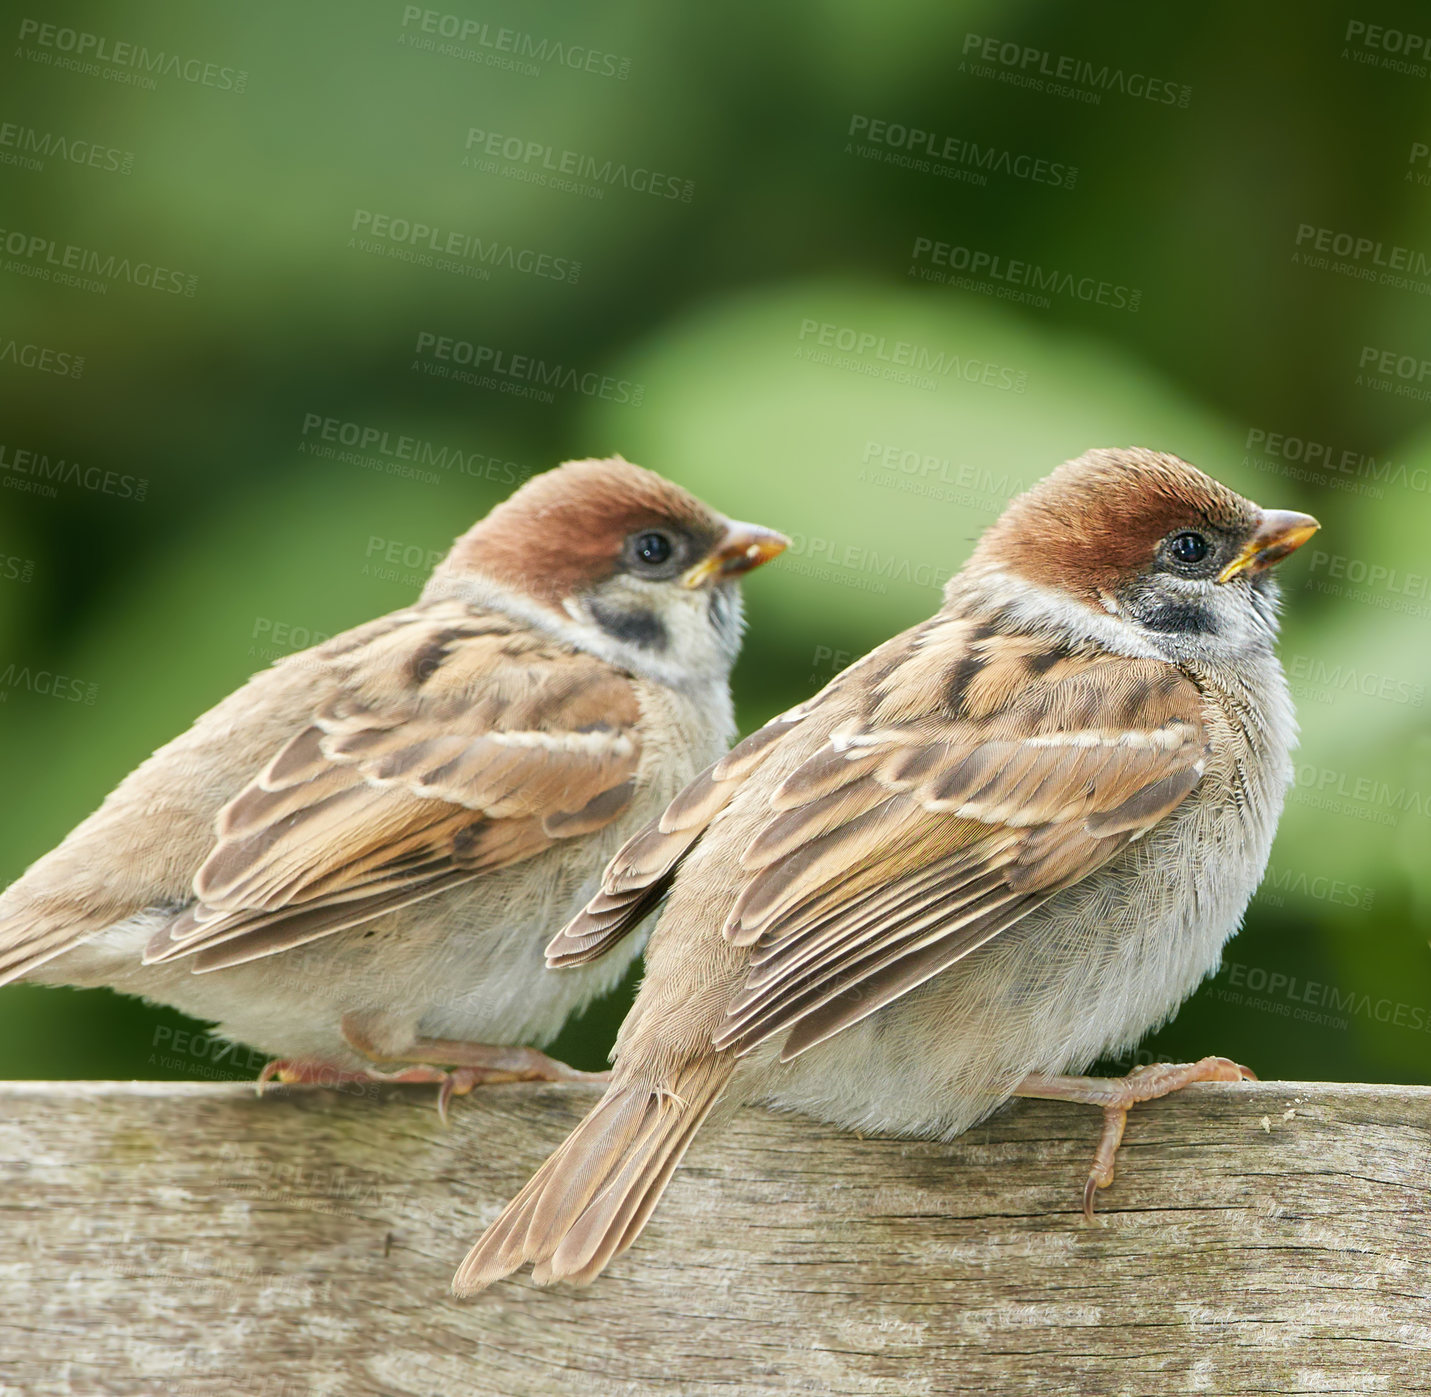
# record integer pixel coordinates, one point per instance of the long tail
(591, 1199)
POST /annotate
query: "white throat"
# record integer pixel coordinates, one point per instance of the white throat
(1033, 607)
(695, 661)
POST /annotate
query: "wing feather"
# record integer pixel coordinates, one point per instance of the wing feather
(642, 871)
(898, 848)
(962, 779)
(451, 746)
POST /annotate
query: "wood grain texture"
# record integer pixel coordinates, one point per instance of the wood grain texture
(193, 1240)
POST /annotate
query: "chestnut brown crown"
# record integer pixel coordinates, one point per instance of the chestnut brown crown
(563, 532)
(1100, 519)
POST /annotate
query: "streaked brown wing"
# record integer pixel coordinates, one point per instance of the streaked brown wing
(451, 746)
(642, 870)
(901, 847)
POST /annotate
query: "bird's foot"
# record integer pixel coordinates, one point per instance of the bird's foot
(455, 1066)
(457, 1081)
(1115, 1095)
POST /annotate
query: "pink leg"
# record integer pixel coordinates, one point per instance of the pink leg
(293, 1071)
(1116, 1094)
(471, 1064)
(450, 1064)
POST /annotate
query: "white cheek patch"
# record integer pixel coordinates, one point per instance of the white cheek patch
(1043, 609)
(695, 657)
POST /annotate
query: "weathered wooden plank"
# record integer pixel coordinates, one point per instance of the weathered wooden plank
(194, 1240)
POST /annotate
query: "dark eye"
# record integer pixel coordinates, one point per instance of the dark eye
(1189, 549)
(652, 548)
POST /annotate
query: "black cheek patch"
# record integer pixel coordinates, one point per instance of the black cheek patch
(1182, 617)
(635, 627)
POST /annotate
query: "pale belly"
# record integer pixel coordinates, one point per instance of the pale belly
(465, 964)
(1089, 973)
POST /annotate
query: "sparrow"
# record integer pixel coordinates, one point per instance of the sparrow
(358, 856)
(1003, 844)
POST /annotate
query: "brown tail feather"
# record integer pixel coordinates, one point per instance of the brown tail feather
(29, 937)
(591, 1199)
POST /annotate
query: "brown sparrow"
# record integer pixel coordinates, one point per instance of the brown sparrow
(358, 856)
(1004, 843)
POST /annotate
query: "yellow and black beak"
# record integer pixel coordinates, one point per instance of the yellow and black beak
(739, 549)
(1280, 532)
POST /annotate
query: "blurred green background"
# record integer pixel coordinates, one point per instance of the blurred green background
(1230, 207)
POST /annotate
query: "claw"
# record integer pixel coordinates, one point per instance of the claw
(290, 1071)
(1115, 1095)
(1090, 1191)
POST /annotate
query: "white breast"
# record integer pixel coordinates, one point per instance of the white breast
(1088, 974)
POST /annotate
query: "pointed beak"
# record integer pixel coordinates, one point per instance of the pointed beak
(1282, 531)
(739, 549)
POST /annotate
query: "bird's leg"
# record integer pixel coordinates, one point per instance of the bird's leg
(313, 1072)
(456, 1066)
(1116, 1094)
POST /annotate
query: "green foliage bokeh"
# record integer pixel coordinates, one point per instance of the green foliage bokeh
(730, 310)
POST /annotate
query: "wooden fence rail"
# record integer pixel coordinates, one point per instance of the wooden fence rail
(194, 1240)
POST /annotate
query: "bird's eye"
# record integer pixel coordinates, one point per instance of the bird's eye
(652, 548)
(1189, 549)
